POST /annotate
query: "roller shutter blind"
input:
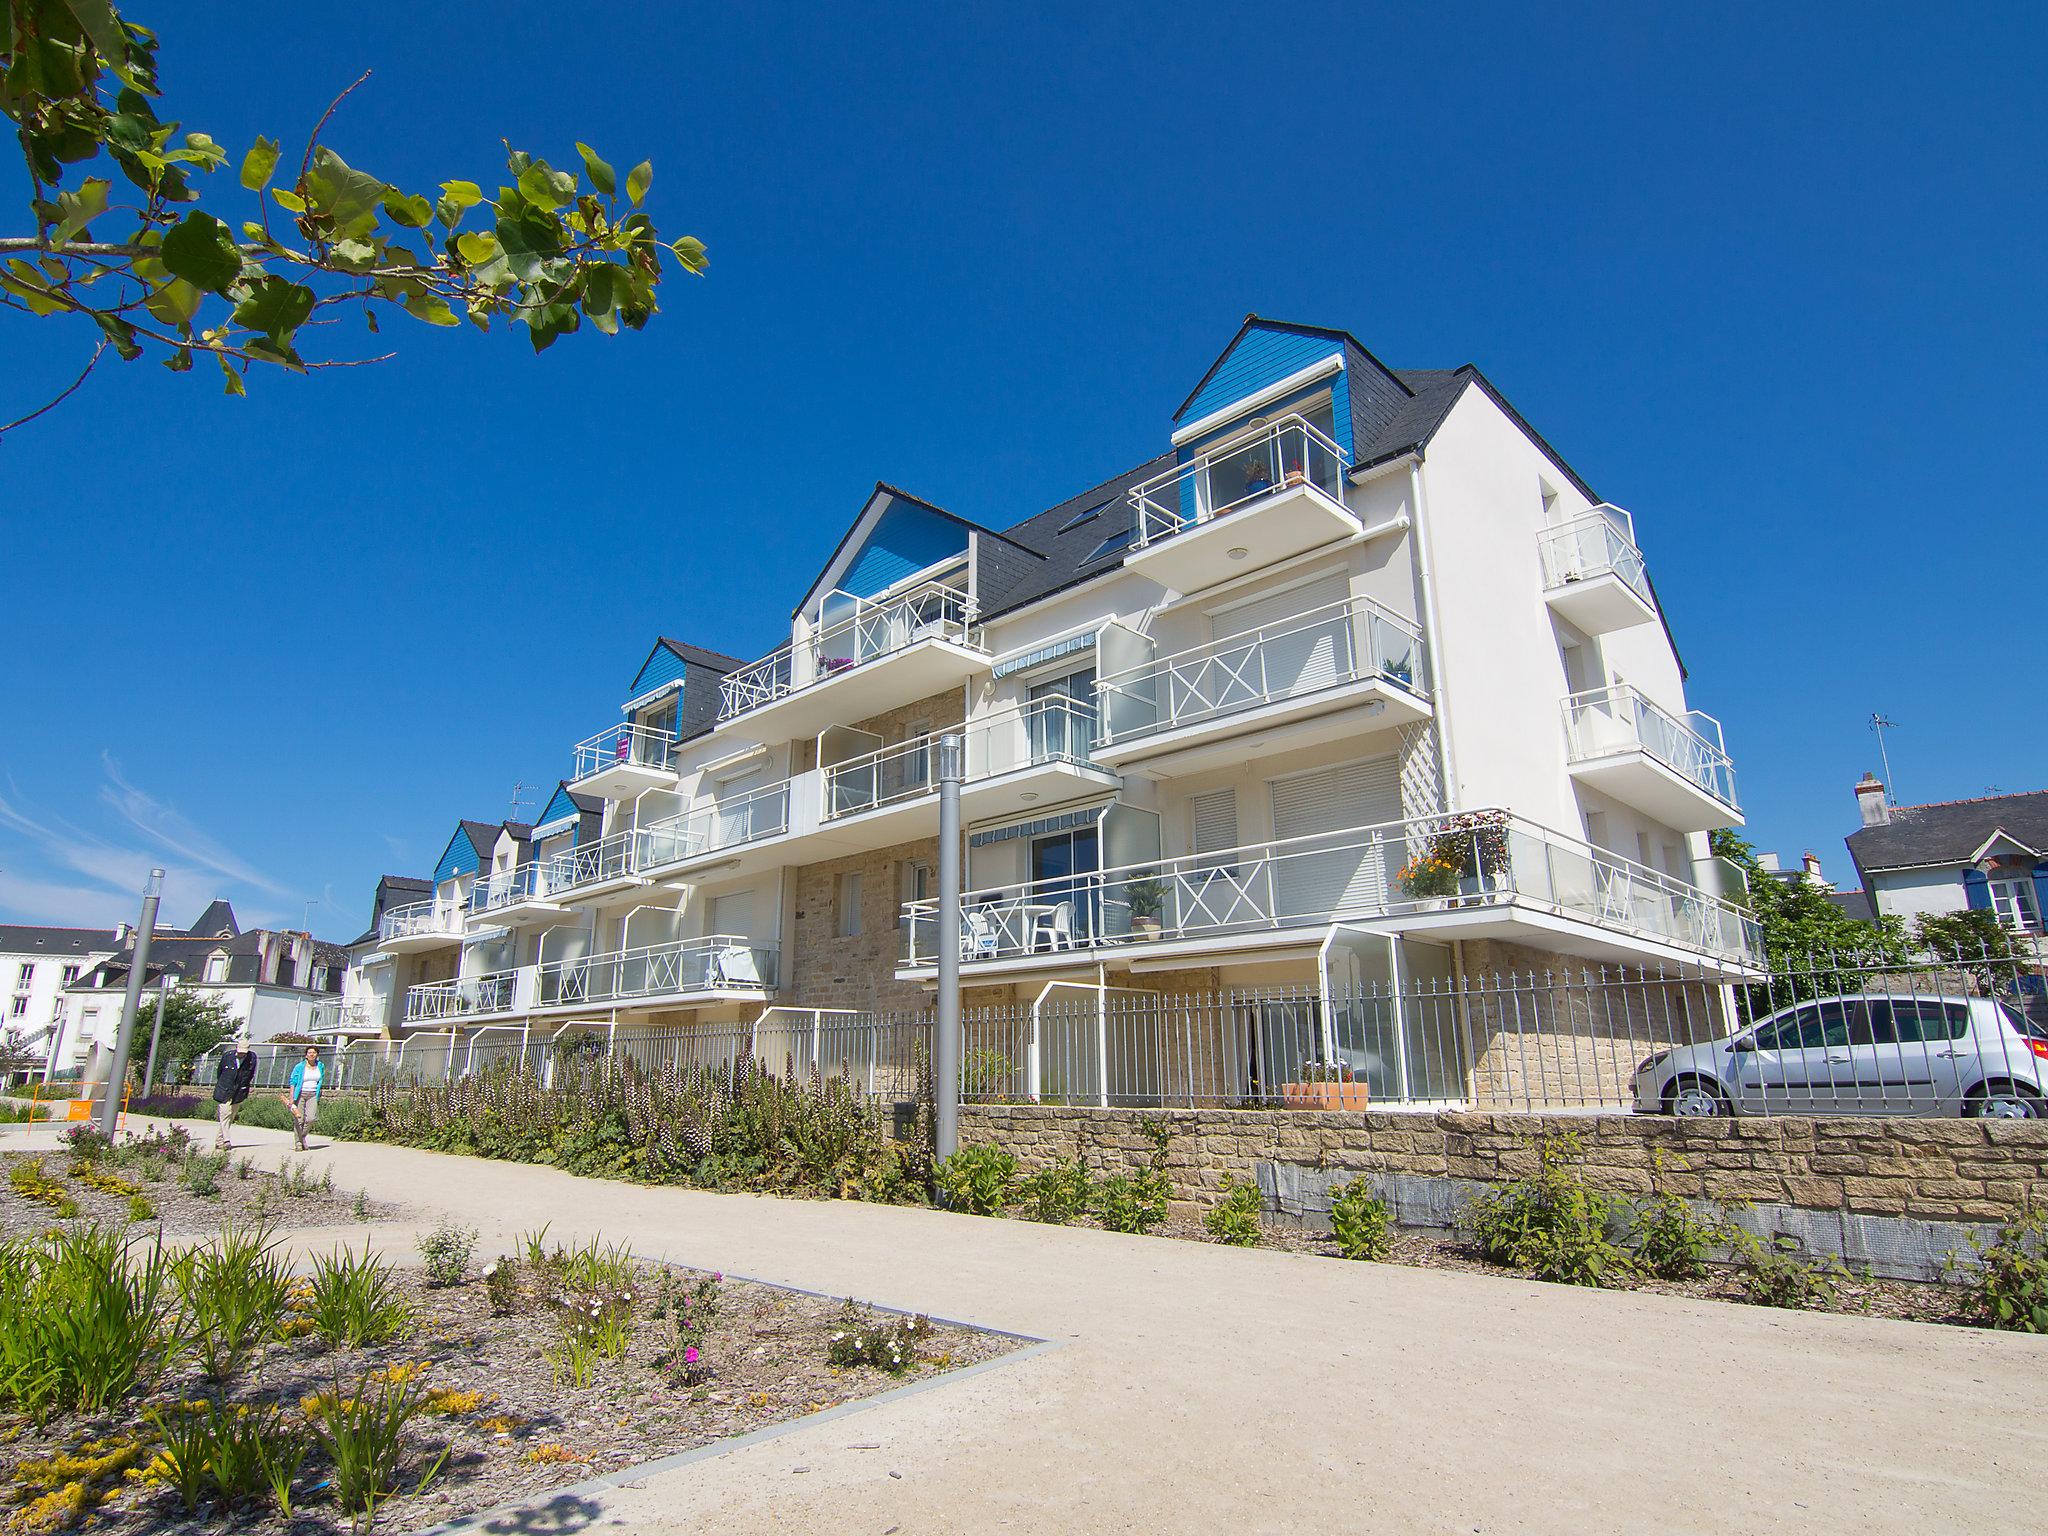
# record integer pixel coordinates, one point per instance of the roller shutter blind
(1312, 880)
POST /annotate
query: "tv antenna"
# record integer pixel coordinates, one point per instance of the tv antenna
(1880, 723)
(519, 800)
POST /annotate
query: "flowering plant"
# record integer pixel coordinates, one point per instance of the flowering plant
(1435, 871)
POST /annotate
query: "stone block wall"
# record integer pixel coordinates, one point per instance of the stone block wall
(1946, 1171)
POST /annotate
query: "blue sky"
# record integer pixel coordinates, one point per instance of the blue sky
(1768, 277)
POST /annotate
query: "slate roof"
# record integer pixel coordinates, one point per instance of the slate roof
(219, 917)
(1950, 831)
(1856, 904)
(31, 939)
(697, 656)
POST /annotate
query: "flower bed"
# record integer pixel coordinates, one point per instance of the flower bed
(551, 1366)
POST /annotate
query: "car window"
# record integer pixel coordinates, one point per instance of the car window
(2027, 1028)
(1784, 1035)
(1830, 1026)
(1921, 1020)
(1868, 1023)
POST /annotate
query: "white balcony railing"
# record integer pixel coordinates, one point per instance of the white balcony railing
(1048, 730)
(871, 628)
(729, 823)
(1598, 543)
(334, 1015)
(1469, 859)
(1289, 453)
(720, 962)
(466, 997)
(1340, 643)
(433, 916)
(507, 888)
(623, 745)
(609, 858)
(1619, 719)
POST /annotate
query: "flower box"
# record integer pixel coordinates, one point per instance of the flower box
(1325, 1095)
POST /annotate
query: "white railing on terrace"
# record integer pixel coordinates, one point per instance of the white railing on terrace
(1048, 730)
(465, 997)
(330, 1015)
(1620, 719)
(1467, 859)
(730, 823)
(507, 887)
(873, 628)
(418, 917)
(1595, 543)
(718, 962)
(636, 746)
(1289, 453)
(1339, 643)
(608, 858)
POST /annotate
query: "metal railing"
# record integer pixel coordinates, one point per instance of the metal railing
(719, 962)
(1604, 721)
(1288, 454)
(609, 858)
(1047, 730)
(729, 823)
(1487, 858)
(623, 744)
(332, 1015)
(873, 628)
(508, 887)
(432, 916)
(1321, 648)
(1597, 543)
(465, 997)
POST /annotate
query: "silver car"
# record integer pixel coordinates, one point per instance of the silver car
(1868, 1054)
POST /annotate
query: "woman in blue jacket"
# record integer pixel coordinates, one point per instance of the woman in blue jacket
(305, 1094)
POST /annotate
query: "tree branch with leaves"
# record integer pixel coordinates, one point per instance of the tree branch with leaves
(130, 251)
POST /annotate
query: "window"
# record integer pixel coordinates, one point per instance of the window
(1111, 545)
(915, 884)
(1087, 516)
(70, 975)
(2013, 902)
(24, 975)
(1913, 1021)
(216, 967)
(19, 1007)
(849, 906)
(319, 978)
(1213, 818)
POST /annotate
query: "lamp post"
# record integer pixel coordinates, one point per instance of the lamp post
(946, 1047)
(117, 1079)
(156, 1030)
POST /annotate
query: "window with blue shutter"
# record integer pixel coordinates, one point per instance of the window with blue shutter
(2041, 889)
(1977, 890)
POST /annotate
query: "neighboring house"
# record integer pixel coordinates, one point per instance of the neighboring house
(1217, 710)
(1988, 854)
(1854, 904)
(275, 981)
(36, 965)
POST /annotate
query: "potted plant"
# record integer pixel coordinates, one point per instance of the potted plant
(1325, 1085)
(1147, 896)
(1433, 874)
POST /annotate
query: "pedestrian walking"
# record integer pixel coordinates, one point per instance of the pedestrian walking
(231, 1083)
(305, 1095)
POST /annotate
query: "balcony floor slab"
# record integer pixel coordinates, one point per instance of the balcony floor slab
(622, 781)
(1304, 720)
(1600, 603)
(1292, 521)
(1635, 778)
(917, 671)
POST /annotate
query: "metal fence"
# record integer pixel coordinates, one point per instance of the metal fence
(1828, 1035)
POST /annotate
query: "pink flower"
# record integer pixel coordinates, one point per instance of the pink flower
(690, 1355)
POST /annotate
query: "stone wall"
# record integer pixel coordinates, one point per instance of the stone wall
(1951, 1171)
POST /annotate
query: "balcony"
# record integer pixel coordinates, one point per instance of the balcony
(470, 997)
(344, 1016)
(721, 967)
(420, 925)
(880, 653)
(1330, 672)
(1476, 874)
(1264, 498)
(596, 872)
(1673, 769)
(622, 760)
(515, 896)
(724, 834)
(1593, 573)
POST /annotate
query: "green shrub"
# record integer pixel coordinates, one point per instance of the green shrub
(202, 1173)
(2007, 1282)
(139, 1208)
(1138, 1202)
(1772, 1273)
(339, 1117)
(1360, 1222)
(264, 1112)
(861, 1338)
(1668, 1240)
(299, 1182)
(236, 1453)
(235, 1291)
(1234, 1219)
(29, 1180)
(85, 1317)
(986, 1076)
(1057, 1193)
(355, 1299)
(977, 1180)
(1551, 1225)
(446, 1250)
(362, 1433)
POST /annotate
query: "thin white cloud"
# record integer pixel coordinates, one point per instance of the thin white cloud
(60, 906)
(164, 825)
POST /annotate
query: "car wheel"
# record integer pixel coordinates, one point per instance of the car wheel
(1696, 1098)
(2005, 1101)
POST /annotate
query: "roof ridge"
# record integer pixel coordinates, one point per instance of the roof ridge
(1935, 805)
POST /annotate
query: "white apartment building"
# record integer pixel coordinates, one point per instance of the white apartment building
(36, 964)
(1356, 685)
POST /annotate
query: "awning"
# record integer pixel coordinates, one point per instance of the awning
(1045, 653)
(1039, 828)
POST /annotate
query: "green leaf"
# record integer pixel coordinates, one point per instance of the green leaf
(476, 246)
(601, 175)
(456, 196)
(344, 194)
(28, 285)
(354, 255)
(413, 212)
(276, 307)
(259, 164)
(638, 180)
(78, 209)
(545, 188)
(291, 202)
(234, 378)
(175, 303)
(121, 334)
(690, 252)
(202, 251)
(432, 308)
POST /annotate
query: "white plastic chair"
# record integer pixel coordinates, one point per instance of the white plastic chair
(1055, 926)
(977, 933)
(735, 967)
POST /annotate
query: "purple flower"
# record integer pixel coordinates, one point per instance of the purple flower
(690, 1355)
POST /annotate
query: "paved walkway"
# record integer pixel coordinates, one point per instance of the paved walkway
(1200, 1388)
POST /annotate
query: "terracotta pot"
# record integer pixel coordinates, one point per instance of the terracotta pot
(1145, 929)
(1325, 1095)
